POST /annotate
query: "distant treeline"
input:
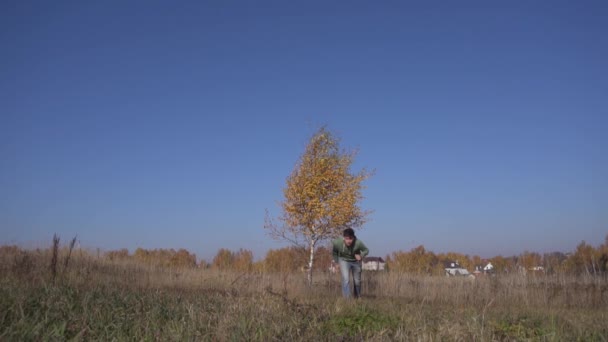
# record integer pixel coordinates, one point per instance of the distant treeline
(288, 259)
(156, 257)
(586, 259)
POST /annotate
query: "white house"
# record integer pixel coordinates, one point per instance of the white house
(452, 268)
(373, 264)
(481, 269)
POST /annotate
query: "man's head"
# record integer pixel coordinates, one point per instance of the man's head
(349, 236)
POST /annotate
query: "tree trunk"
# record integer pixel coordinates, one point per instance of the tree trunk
(310, 261)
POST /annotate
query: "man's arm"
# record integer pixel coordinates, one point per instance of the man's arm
(363, 249)
(335, 252)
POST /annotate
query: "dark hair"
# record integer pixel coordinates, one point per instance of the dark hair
(349, 232)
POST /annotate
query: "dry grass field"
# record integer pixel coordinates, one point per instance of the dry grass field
(87, 297)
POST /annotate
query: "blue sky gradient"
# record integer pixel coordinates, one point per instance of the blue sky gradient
(162, 125)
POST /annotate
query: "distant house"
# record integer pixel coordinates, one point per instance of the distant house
(481, 269)
(453, 268)
(373, 264)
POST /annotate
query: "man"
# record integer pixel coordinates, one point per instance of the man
(349, 251)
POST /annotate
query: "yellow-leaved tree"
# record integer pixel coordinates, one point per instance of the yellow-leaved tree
(322, 197)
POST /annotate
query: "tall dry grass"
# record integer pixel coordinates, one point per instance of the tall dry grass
(539, 291)
(96, 298)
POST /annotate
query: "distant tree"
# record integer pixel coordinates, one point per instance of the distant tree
(323, 255)
(477, 261)
(183, 258)
(159, 257)
(585, 259)
(388, 262)
(511, 264)
(422, 260)
(120, 254)
(500, 264)
(528, 260)
(418, 261)
(554, 262)
(284, 260)
(142, 255)
(242, 260)
(223, 259)
(398, 261)
(322, 196)
(462, 259)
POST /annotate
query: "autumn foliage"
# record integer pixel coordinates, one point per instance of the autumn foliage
(586, 259)
(322, 196)
(156, 257)
(292, 259)
(241, 260)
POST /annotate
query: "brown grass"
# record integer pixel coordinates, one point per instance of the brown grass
(96, 298)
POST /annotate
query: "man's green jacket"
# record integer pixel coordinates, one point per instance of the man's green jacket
(341, 251)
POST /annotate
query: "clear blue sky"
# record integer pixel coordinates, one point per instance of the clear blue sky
(156, 124)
